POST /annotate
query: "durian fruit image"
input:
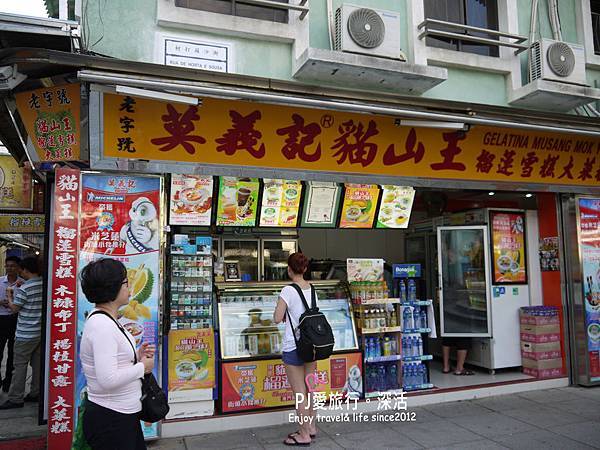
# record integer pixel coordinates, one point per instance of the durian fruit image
(141, 281)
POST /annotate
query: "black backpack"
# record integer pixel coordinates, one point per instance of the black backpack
(316, 339)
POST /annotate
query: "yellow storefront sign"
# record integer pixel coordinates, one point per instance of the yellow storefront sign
(51, 117)
(22, 223)
(251, 134)
(15, 184)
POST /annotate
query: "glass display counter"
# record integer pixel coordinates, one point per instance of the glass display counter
(246, 323)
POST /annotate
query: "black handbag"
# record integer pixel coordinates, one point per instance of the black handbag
(155, 405)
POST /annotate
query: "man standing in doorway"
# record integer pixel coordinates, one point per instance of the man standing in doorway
(8, 319)
(28, 303)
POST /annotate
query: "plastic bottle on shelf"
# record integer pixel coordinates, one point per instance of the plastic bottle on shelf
(385, 290)
(392, 376)
(382, 319)
(402, 291)
(394, 345)
(381, 375)
(371, 378)
(368, 350)
(412, 290)
(424, 376)
(387, 346)
(420, 345)
(393, 316)
(407, 318)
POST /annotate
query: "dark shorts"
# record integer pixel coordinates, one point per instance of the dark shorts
(105, 429)
(292, 358)
(461, 343)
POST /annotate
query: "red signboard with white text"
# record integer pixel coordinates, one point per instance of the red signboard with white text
(62, 317)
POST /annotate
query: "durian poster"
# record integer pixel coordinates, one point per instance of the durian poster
(120, 217)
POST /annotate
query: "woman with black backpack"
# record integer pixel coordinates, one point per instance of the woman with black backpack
(290, 307)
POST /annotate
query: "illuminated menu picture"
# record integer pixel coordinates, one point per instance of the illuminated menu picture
(321, 204)
(191, 200)
(237, 202)
(360, 203)
(396, 206)
(280, 203)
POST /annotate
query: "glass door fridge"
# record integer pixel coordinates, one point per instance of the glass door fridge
(463, 259)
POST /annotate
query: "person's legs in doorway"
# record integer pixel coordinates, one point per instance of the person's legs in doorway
(461, 356)
(446, 356)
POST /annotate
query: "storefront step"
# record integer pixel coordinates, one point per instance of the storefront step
(214, 424)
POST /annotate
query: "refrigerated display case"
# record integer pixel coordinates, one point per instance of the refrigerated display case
(250, 344)
(466, 292)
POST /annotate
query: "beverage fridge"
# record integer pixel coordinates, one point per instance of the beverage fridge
(476, 298)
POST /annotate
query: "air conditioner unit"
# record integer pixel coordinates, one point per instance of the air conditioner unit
(367, 31)
(557, 61)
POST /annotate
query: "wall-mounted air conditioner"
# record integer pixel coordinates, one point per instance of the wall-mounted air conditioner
(557, 61)
(367, 31)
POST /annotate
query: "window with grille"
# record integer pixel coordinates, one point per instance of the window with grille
(475, 13)
(238, 8)
(595, 8)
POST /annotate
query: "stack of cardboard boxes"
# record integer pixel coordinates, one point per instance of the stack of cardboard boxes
(540, 342)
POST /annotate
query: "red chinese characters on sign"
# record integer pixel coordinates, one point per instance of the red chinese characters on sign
(450, 152)
(179, 126)
(390, 157)
(352, 143)
(242, 135)
(62, 310)
(297, 148)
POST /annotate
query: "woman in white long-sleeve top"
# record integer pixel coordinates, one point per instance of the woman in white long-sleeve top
(108, 357)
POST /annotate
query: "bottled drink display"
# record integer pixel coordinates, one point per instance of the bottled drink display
(382, 377)
(414, 374)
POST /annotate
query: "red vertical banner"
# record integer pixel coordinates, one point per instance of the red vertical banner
(63, 315)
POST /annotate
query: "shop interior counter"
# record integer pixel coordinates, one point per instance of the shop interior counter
(246, 325)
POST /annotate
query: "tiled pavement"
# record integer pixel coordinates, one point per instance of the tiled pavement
(566, 418)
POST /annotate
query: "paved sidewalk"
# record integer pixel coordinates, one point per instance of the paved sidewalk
(566, 418)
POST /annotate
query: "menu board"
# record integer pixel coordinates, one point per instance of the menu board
(589, 246)
(190, 200)
(321, 204)
(360, 203)
(396, 205)
(508, 239)
(280, 203)
(237, 203)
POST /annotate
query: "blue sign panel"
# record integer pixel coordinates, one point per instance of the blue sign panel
(407, 270)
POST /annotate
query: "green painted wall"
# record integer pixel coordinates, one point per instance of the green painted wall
(128, 29)
(465, 85)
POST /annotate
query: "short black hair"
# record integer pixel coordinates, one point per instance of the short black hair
(31, 264)
(14, 259)
(101, 280)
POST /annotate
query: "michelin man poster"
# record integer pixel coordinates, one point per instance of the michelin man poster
(120, 219)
